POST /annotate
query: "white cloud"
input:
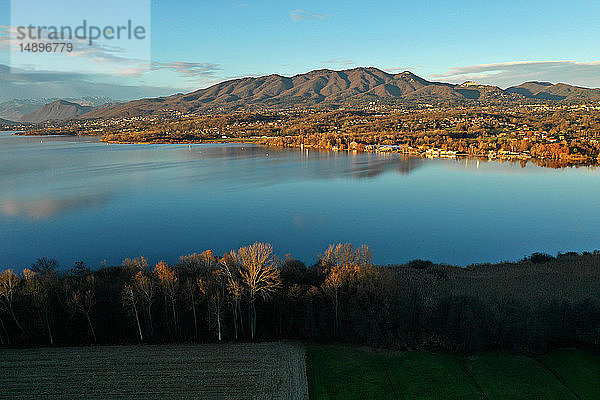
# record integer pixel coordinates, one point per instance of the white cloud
(188, 69)
(340, 61)
(303, 15)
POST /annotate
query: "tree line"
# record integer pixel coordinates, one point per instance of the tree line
(251, 294)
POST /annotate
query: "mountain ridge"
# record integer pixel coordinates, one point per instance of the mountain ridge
(326, 87)
(322, 86)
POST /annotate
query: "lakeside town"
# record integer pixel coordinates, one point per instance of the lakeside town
(550, 135)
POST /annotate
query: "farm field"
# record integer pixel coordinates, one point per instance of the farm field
(346, 372)
(578, 370)
(284, 371)
(507, 376)
(210, 371)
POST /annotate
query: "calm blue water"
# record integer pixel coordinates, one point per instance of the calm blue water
(76, 199)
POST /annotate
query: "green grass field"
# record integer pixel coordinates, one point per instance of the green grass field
(347, 372)
(507, 376)
(578, 370)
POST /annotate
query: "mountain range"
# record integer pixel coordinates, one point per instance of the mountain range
(322, 87)
(358, 85)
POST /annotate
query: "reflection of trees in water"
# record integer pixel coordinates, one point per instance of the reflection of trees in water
(372, 167)
(519, 163)
(556, 164)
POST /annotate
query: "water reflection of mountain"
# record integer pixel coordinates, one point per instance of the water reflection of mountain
(42, 180)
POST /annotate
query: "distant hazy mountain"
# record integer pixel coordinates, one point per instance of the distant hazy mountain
(5, 122)
(15, 109)
(353, 86)
(56, 111)
(555, 92)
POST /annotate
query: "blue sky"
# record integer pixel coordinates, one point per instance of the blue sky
(197, 43)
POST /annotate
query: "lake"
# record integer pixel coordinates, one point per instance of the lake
(79, 199)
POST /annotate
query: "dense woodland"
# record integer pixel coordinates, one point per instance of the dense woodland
(251, 294)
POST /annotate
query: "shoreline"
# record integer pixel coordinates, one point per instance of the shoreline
(429, 153)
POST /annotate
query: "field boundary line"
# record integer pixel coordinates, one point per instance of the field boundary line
(305, 370)
(559, 378)
(481, 389)
(387, 374)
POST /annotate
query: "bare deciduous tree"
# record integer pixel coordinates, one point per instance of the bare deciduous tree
(83, 302)
(143, 287)
(341, 263)
(40, 289)
(191, 295)
(9, 281)
(235, 290)
(259, 274)
(195, 271)
(168, 282)
(130, 303)
(133, 266)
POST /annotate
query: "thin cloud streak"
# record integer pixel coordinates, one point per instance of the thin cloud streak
(303, 15)
(340, 61)
(188, 69)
